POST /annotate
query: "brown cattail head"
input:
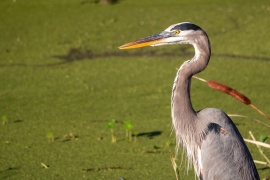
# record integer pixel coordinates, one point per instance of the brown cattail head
(218, 86)
(228, 90)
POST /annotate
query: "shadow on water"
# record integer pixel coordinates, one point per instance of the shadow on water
(78, 54)
(75, 54)
(104, 2)
(150, 135)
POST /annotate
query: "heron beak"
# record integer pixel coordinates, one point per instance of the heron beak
(147, 41)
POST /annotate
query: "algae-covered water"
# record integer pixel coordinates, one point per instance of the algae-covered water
(63, 78)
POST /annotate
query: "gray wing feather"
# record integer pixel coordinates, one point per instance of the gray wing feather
(223, 150)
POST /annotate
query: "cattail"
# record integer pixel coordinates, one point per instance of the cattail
(228, 90)
(234, 93)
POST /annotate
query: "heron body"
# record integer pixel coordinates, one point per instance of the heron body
(209, 137)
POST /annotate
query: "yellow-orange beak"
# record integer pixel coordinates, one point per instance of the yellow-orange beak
(148, 41)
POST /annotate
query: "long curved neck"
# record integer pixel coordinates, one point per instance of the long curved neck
(182, 109)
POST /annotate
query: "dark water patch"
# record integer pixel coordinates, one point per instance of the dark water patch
(104, 2)
(18, 121)
(234, 56)
(78, 54)
(106, 169)
(150, 135)
(9, 172)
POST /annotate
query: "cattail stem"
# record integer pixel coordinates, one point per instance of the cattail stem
(258, 121)
(257, 143)
(176, 172)
(259, 111)
(260, 149)
(260, 162)
(201, 79)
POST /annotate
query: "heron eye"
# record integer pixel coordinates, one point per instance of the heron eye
(176, 32)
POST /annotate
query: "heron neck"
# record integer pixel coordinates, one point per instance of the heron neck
(181, 103)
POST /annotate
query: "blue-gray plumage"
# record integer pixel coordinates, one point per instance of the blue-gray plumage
(224, 154)
(209, 137)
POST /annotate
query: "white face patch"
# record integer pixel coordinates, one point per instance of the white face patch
(174, 40)
(174, 35)
(181, 34)
(171, 40)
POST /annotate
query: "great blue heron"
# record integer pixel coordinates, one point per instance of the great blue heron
(211, 140)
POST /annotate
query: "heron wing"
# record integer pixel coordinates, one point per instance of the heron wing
(224, 154)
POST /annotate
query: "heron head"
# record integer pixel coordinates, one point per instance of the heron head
(181, 33)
